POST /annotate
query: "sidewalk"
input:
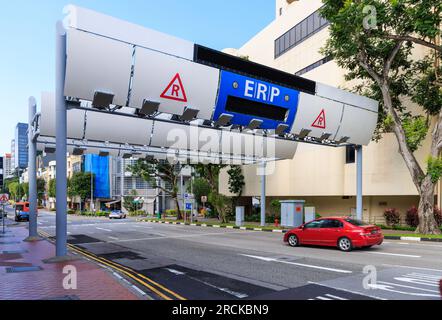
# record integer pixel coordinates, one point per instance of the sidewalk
(93, 282)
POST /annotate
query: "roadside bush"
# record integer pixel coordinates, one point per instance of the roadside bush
(71, 211)
(412, 218)
(171, 212)
(137, 213)
(52, 209)
(392, 217)
(318, 216)
(438, 216)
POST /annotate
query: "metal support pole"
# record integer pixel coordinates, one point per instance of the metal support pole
(359, 182)
(182, 192)
(191, 192)
(61, 150)
(263, 193)
(32, 173)
(122, 182)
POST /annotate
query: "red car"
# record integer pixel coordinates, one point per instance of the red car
(342, 232)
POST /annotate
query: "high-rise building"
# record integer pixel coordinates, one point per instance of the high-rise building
(12, 156)
(21, 146)
(7, 165)
(1, 173)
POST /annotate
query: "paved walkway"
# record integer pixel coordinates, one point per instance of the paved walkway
(93, 282)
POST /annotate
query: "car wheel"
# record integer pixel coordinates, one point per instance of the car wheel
(293, 241)
(344, 244)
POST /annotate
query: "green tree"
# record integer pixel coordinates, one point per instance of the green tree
(80, 185)
(51, 188)
(373, 39)
(16, 191)
(200, 187)
(154, 171)
(220, 202)
(236, 184)
(129, 202)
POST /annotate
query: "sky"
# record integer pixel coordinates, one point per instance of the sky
(27, 39)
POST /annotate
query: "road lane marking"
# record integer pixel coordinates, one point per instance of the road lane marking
(335, 297)
(346, 290)
(113, 238)
(404, 286)
(409, 267)
(107, 230)
(322, 298)
(170, 237)
(396, 254)
(267, 259)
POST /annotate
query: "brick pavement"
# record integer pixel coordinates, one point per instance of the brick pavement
(93, 281)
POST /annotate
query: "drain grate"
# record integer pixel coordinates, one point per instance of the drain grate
(81, 238)
(23, 269)
(14, 251)
(122, 255)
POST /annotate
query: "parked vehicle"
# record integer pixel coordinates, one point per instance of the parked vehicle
(117, 214)
(22, 211)
(343, 232)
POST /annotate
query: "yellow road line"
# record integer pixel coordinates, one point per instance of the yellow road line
(128, 272)
(133, 271)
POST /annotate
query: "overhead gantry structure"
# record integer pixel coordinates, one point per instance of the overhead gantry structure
(129, 91)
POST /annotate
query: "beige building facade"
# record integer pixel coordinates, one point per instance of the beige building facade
(324, 177)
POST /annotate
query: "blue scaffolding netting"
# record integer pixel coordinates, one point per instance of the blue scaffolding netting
(99, 166)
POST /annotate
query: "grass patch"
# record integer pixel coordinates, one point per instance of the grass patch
(415, 235)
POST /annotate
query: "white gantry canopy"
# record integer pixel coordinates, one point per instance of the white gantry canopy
(135, 90)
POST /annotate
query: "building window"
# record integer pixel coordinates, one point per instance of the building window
(300, 32)
(350, 154)
(314, 65)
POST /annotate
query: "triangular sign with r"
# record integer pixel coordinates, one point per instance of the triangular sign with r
(175, 90)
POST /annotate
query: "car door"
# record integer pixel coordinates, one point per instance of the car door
(331, 231)
(311, 232)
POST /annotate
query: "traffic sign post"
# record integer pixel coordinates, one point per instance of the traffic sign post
(4, 198)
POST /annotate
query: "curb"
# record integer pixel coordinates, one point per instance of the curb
(417, 239)
(215, 226)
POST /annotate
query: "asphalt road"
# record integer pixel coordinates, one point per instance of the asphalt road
(213, 263)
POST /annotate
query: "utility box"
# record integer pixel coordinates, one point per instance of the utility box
(292, 213)
(240, 216)
(310, 214)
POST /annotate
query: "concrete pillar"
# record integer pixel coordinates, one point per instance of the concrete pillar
(263, 193)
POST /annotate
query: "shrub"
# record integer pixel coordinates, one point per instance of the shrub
(392, 217)
(71, 211)
(412, 218)
(171, 212)
(137, 213)
(438, 216)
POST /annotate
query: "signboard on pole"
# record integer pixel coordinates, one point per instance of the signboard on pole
(4, 198)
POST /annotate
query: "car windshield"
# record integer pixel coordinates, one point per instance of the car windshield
(355, 222)
(19, 207)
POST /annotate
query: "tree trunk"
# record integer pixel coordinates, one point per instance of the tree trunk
(179, 216)
(423, 183)
(427, 223)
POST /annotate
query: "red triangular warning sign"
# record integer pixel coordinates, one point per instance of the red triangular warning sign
(175, 90)
(320, 121)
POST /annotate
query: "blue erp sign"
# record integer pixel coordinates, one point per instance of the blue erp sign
(247, 99)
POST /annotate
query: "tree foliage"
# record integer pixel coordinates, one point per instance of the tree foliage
(156, 171)
(374, 41)
(80, 185)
